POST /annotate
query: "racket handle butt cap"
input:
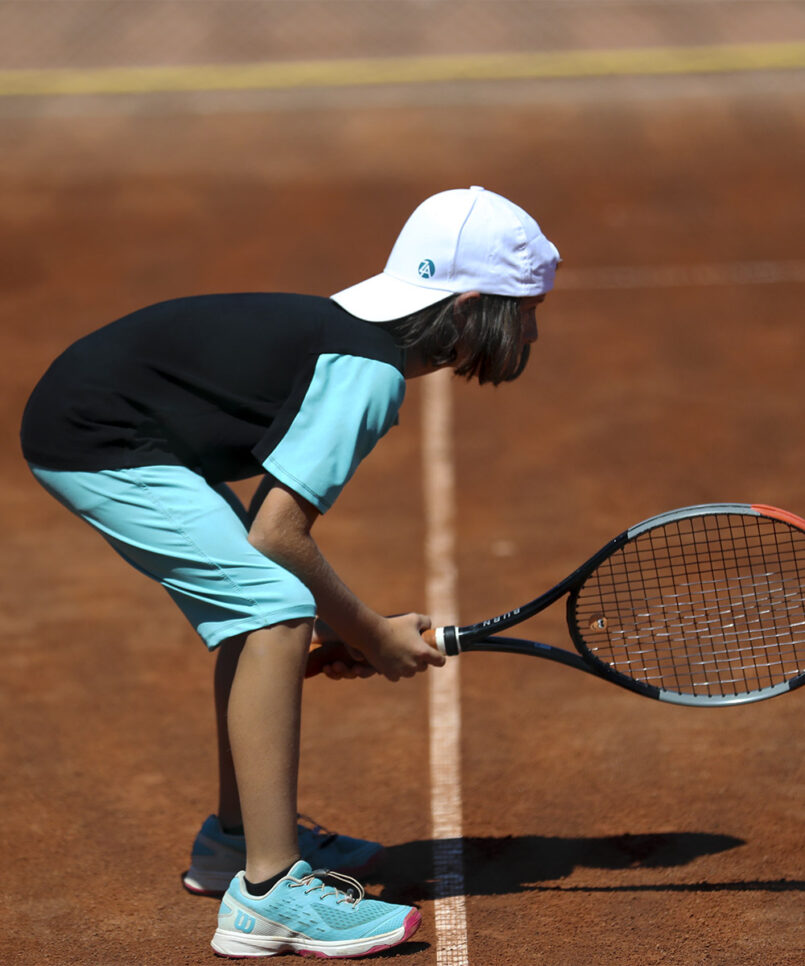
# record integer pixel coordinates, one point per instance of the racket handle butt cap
(444, 639)
(435, 637)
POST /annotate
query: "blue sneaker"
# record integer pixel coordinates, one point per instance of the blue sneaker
(216, 856)
(311, 913)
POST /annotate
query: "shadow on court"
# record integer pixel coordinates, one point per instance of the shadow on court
(511, 864)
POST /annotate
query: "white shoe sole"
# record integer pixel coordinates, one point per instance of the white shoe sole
(236, 945)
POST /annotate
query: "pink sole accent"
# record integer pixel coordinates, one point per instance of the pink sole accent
(411, 924)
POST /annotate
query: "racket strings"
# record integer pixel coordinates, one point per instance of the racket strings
(709, 605)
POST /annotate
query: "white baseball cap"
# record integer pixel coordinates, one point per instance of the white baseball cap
(463, 240)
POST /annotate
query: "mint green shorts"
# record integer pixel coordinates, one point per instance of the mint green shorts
(171, 525)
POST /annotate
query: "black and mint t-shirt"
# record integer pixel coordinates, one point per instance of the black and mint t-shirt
(227, 385)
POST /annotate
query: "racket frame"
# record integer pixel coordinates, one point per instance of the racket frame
(454, 640)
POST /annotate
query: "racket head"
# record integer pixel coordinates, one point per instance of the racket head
(700, 606)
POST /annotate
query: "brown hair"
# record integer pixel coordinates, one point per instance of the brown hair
(487, 327)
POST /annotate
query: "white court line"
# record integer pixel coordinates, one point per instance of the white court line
(444, 703)
(681, 276)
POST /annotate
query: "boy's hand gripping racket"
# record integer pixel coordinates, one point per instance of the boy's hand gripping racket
(701, 606)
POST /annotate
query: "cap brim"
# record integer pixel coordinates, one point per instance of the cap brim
(383, 298)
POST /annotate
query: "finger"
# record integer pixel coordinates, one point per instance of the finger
(324, 654)
(434, 657)
(423, 622)
(346, 670)
(357, 671)
(347, 674)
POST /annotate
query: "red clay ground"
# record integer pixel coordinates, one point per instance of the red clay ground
(602, 829)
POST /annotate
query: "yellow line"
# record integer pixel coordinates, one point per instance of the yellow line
(404, 70)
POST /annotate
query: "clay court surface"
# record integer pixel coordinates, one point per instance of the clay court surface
(601, 829)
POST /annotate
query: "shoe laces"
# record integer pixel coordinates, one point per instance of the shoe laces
(322, 879)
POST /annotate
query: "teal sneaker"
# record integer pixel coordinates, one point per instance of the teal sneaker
(216, 856)
(310, 913)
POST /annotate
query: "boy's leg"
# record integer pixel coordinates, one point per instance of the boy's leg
(219, 848)
(264, 723)
(296, 909)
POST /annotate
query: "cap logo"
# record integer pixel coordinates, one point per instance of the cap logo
(426, 268)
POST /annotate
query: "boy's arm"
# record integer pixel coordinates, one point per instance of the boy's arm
(394, 646)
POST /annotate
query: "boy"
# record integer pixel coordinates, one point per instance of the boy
(137, 427)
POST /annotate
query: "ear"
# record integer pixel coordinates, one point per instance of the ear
(461, 304)
(465, 298)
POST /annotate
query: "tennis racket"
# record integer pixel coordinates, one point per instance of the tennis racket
(701, 606)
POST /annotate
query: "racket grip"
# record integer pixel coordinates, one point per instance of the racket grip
(430, 637)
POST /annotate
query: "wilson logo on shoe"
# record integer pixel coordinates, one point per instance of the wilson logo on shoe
(244, 922)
